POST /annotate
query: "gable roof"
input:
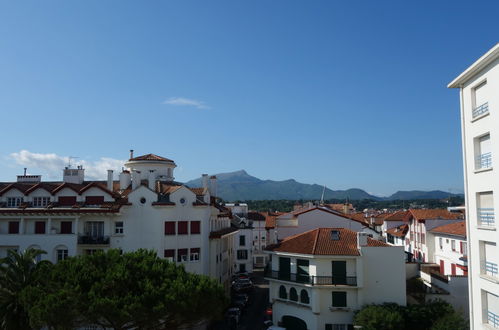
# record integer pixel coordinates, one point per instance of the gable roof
(151, 157)
(397, 216)
(323, 209)
(399, 231)
(433, 214)
(318, 242)
(455, 228)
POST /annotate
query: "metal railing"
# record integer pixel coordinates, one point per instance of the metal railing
(312, 279)
(85, 239)
(486, 216)
(481, 109)
(483, 160)
(493, 319)
(489, 268)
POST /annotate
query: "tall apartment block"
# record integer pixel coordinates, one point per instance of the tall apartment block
(479, 99)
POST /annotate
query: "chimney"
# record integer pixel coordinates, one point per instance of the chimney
(25, 169)
(152, 180)
(204, 179)
(125, 179)
(131, 153)
(213, 185)
(110, 180)
(361, 239)
(135, 179)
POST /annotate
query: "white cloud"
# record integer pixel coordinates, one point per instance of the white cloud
(182, 101)
(52, 164)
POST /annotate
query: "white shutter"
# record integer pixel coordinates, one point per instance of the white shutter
(486, 200)
(485, 146)
(480, 97)
(493, 303)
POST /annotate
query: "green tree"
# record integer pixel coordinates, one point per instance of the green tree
(425, 315)
(133, 290)
(451, 321)
(17, 272)
(386, 316)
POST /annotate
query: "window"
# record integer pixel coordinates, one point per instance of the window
(453, 245)
(293, 295)
(41, 201)
(282, 292)
(170, 255)
(263, 238)
(195, 227)
(195, 254)
(13, 227)
(67, 200)
(62, 254)
(66, 227)
(94, 200)
(335, 235)
(242, 254)
(423, 239)
(242, 240)
(339, 299)
(94, 228)
(483, 155)
(14, 201)
(485, 209)
(40, 227)
(182, 227)
(480, 104)
(304, 299)
(440, 243)
(118, 227)
(169, 227)
(182, 255)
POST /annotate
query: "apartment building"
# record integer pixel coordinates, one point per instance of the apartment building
(319, 278)
(450, 248)
(145, 208)
(479, 101)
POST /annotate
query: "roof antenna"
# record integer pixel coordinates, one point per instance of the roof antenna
(69, 160)
(322, 197)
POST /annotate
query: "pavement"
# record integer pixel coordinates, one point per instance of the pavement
(254, 314)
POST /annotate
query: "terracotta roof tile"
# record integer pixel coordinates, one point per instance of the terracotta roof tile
(397, 216)
(456, 228)
(319, 242)
(151, 157)
(420, 214)
(399, 231)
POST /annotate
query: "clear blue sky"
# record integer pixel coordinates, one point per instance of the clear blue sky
(342, 93)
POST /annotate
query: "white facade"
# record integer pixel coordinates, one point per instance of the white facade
(450, 253)
(68, 218)
(260, 258)
(479, 100)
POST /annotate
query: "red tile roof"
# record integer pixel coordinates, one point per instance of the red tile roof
(318, 242)
(399, 231)
(151, 157)
(456, 229)
(397, 216)
(420, 214)
(327, 210)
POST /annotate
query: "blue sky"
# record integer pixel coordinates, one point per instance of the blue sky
(342, 93)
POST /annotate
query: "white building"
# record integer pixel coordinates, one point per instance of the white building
(260, 258)
(450, 248)
(318, 279)
(479, 99)
(145, 208)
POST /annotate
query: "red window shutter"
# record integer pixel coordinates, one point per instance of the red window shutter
(40, 227)
(169, 227)
(461, 247)
(66, 227)
(453, 269)
(180, 253)
(442, 267)
(182, 227)
(94, 200)
(13, 227)
(67, 200)
(169, 253)
(195, 227)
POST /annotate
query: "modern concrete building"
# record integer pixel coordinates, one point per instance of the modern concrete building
(318, 279)
(479, 98)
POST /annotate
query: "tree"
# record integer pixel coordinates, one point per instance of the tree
(133, 290)
(386, 316)
(17, 271)
(451, 321)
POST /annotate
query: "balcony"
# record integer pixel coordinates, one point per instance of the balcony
(483, 161)
(480, 110)
(93, 240)
(486, 217)
(311, 279)
(488, 268)
(492, 319)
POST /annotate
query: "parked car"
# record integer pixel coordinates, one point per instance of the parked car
(234, 312)
(241, 296)
(242, 286)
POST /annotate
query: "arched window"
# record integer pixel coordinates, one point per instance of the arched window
(304, 297)
(60, 252)
(282, 292)
(293, 295)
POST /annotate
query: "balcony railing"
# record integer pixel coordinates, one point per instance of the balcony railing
(493, 319)
(86, 239)
(489, 268)
(312, 279)
(481, 109)
(483, 161)
(486, 216)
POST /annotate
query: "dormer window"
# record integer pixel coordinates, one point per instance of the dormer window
(335, 235)
(41, 201)
(14, 201)
(94, 200)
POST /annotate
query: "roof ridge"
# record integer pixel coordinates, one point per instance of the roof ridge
(316, 239)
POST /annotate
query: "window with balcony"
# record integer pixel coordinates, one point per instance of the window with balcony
(488, 260)
(490, 303)
(14, 201)
(485, 209)
(183, 227)
(41, 201)
(339, 299)
(479, 100)
(302, 270)
(169, 227)
(94, 229)
(284, 268)
(483, 152)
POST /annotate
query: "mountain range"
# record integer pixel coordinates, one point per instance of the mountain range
(240, 186)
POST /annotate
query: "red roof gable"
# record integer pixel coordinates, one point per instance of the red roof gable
(455, 228)
(151, 157)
